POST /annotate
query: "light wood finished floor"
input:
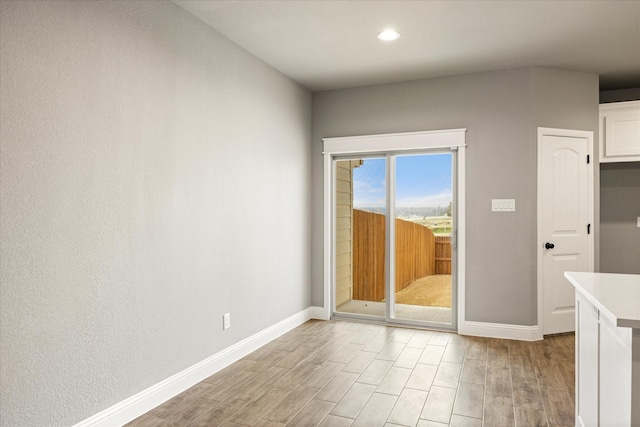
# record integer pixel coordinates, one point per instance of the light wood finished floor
(343, 373)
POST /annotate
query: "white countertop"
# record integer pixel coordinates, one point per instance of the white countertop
(615, 295)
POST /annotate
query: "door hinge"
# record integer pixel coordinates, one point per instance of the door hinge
(588, 228)
(588, 158)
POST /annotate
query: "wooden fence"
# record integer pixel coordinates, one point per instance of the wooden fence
(418, 253)
(368, 256)
(443, 255)
(415, 253)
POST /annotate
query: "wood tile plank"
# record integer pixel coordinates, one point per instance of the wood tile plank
(359, 363)
(295, 357)
(498, 357)
(477, 349)
(376, 344)
(408, 358)
(165, 410)
(326, 351)
(526, 394)
(393, 383)
(223, 411)
(354, 400)
(312, 414)
(498, 411)
(499, 382)
(376, 411)
(427, 423)
(439, 404)
(529, 417)
(521, 366)
(460, 421)
(289, 406)
(474, 371)
(149, 421)
(558, 407)
(251, 413)
(267, 362)
(422, 377)
(403, 335)
(296, 376)
(448, 375)
(375, 372)
(268, 423)
(439, 338)
(232, 386)
(549, 376)
(420, 339)
(335, 421)
(432, 355)
(408, 407)
(391, 351)
(260, 383)
(346, 353)
(454, 353)
(470, 400)
(337, 387)
(321, 376)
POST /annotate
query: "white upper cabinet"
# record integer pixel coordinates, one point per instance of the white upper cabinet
(620, 132)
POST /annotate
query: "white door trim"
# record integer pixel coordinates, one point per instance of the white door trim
(397, 142)
(588, 135)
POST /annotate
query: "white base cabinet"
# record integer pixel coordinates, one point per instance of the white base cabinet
(587, 335)
(607, 369)
(615, 375)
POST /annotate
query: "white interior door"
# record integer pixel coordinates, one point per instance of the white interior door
(565, 221)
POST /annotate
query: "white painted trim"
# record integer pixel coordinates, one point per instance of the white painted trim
(499, 330)
(590, 190)
(328, 234)
(318, 313)
(141, 403)
(394, 142)
(461, 237)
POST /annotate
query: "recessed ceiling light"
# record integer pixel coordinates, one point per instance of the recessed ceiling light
(388, 35)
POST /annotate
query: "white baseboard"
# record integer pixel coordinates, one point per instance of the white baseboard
(141, 403)
(319, 313)
(499, 330)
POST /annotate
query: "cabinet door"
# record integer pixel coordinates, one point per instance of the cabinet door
(615, 374)
(586, 363)
(620, 132)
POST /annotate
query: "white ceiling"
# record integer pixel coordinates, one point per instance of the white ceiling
(332, 44)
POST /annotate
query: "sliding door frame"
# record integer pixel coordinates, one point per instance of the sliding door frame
(388, 146)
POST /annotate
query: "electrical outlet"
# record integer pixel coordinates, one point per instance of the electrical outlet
(226, 321)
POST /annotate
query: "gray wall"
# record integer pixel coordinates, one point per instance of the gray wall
(501, 111)
(620, 208)
(149, 170)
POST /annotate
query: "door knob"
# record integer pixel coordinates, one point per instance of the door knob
(549, 245)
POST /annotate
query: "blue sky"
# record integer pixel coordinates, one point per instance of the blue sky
(421, 181)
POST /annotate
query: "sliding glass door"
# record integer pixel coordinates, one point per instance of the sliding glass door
(423, 221)
(360, 236)
(393, 216)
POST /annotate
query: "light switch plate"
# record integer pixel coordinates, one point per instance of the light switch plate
(503, 205)
(639, 222)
